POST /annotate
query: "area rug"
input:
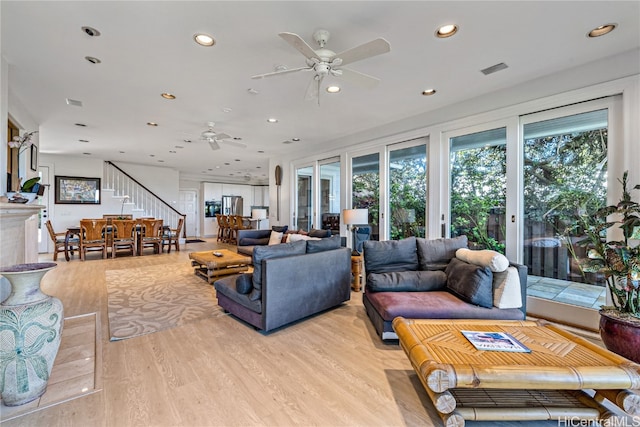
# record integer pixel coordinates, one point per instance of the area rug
(194, 241)
(144, 300)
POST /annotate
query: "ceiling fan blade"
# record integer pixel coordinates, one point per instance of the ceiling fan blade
(235, 144)
(275, 73)
(359, 78)
(300, 45)
(367, 50)
(214, 144)
(222, 136)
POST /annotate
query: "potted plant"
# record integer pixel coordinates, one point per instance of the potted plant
(619, 261)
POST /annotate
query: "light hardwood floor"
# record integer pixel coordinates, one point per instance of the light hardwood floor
(328, 370)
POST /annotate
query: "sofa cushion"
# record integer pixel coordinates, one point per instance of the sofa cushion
(506, 289)
(390, 255)
(280, 228)
(319, 233)
(275, 238)
(407, 281)
(267, 252)
(250, 241)
(484, 258)
(471, 283)
(322, 245)
(244, 283)
(435, 254)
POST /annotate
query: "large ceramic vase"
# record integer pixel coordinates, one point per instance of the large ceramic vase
(620, 336)
(30, 331)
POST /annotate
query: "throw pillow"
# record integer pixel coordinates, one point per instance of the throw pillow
(261, 253)
(275, 238)
(506, 289)
(244, 283)
(280, 228)
(470, 283)
(435, 254)
(484, 258)
(407, 281)
(390, 255)
(322, 245)
(250, 241)
(299, 237)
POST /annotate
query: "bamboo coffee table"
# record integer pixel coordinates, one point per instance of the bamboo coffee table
(211, 267)
(546, 384)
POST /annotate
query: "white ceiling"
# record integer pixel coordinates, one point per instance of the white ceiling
(147, 47)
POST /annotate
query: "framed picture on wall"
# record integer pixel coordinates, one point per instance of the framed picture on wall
(77, 190)
(34, 157)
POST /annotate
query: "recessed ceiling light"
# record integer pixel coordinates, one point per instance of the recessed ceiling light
(160, 161)
(92, 59)
(227, 163)
(179, 146)
(209, 169)
(83, 140)
(601, 30)
(186, 140)
(80, 124)
(121, 152)
(295, 139)
(152, 124)
(91, 31)
(172, 151)
(237, 138)
(236, 160)
(152, 155)
(446, 31)
(272, 120)
(204, 39)
(253, 91)
(226, 110)
(333, 89)
(87, 154)
(166, 95)
(258, 167)
(260, 151)
(428, 92)
(74, 102)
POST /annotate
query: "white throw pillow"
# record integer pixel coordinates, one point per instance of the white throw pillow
(506, 289)
(484, 258)
(275, 238)
(298, 237)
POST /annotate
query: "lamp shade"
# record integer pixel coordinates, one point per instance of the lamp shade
(355, 216)
(258, 214)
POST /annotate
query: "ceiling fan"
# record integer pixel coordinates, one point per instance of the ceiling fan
(214, 137)
(324, 62)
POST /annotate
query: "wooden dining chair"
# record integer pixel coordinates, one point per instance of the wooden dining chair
(93, 236)
(59, 243)
(151, 235)
(220, 228)
(223, 226)
(123, 236)
(171, 236)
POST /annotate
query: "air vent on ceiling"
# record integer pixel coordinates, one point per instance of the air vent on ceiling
(74, 102)
(494, 68)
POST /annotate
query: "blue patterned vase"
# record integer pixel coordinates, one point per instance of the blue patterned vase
(30, 331)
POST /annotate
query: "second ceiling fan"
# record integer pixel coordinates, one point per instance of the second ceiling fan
(324, 62)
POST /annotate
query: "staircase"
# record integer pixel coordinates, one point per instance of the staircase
(142, 202)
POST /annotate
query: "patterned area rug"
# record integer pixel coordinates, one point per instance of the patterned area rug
(149, 299)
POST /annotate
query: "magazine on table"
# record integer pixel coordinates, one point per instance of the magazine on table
(495, 341)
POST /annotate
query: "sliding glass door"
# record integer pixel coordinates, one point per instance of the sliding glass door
(329, 171)
(304, 198)
(365, 179)
(407, 173)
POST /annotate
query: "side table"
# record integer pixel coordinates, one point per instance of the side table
(356, 272)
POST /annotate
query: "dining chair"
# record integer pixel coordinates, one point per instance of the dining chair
(151, 235)
(93, 236)
(223, 228)
(59, 243)
(220, 228)
(171, 236)
(238, 224)
(123, 236)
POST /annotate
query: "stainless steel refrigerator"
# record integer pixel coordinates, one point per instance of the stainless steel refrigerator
(231, 205)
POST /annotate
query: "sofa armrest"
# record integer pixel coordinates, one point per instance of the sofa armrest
(522, 273)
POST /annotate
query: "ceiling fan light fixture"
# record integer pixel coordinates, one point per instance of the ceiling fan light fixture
(153, 124)
(428, 92)
(446, 31)
(90, 31)
(601, 30)
(295, 139)
(167, 95)
(272, 120)
(333, 89)
(204, 39)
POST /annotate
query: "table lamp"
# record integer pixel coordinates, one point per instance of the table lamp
(352, 218)
(258, 215)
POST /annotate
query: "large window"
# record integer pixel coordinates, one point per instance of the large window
(478, 168)
(304, 213)
(366, 188)
(407, 191)
(330, 195)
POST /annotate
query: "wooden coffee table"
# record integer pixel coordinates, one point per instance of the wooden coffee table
(469, 384)
(211, 267)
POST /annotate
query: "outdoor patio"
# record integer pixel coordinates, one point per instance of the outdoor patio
(580, 294)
